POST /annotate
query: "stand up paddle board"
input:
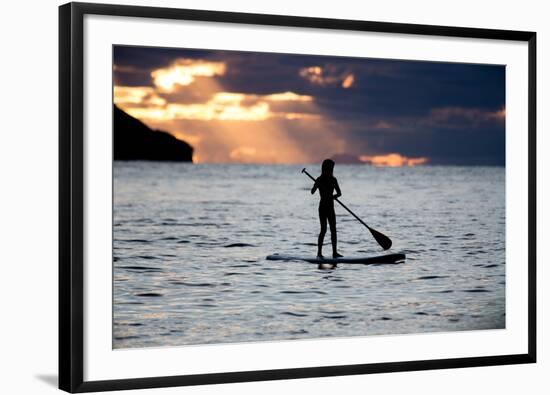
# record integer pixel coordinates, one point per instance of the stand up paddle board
(366, 260)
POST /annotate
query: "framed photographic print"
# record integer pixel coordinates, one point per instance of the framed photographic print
(251, 197)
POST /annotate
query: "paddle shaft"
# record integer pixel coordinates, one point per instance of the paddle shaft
(341, 204)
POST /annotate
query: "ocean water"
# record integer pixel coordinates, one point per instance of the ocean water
(190, 242)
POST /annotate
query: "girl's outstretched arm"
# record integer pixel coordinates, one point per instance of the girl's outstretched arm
(337, 187)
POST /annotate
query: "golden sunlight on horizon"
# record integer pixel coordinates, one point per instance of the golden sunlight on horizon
(392, 160)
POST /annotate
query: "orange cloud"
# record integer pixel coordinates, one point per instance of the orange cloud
(348, 81)
(444, 115)
(392, 160)
(327, 75)
(287, 96)
(313, 74)
(143, 95)
(500, 114)
(183, 72)
(383, 125)
(221, 106)
(296, 115)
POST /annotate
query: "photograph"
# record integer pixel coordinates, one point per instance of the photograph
(262, 196)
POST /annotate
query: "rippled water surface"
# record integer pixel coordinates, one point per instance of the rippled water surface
(190, 243)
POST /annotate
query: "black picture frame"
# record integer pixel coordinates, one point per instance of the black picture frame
(71, 195)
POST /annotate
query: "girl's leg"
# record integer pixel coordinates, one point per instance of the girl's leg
(333, 235)
(321, 239)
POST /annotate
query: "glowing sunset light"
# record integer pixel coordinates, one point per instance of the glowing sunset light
(500, 114)
(228, 98)
(417, 161)
(183, 72)
(192, 139)
(256, 112)
(392, 160)
(243, 154)
(274, 108)
(137, 95)
(295, 115)
(145, 114)
(287, 96)
(144, 103)
(327, 75)
(348, 81)
(241, 128)
(313, 74)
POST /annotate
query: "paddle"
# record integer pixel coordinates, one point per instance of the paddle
(382, 239)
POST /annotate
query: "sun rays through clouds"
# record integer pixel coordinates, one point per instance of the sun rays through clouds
(244, 107)
(191, 103)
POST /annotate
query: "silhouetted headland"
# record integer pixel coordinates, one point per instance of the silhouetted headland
(133, 140)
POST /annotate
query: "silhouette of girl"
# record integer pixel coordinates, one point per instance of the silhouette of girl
(327, 183)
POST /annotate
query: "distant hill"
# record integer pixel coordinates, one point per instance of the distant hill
(133, 140)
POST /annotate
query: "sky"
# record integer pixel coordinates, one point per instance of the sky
(252, 107)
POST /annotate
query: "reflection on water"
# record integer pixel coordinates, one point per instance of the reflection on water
(190, 243)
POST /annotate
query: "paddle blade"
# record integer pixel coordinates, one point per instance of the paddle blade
(382, 239)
